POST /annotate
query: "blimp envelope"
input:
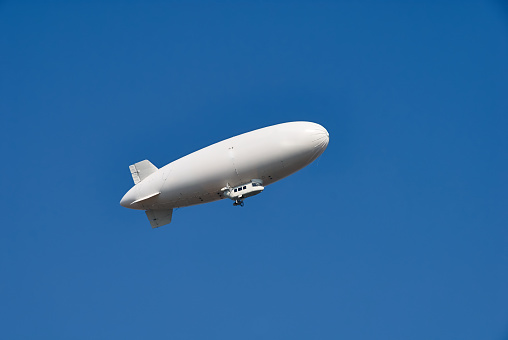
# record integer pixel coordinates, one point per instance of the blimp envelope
(235, 168)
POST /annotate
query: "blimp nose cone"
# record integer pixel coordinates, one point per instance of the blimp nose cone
(319, 136)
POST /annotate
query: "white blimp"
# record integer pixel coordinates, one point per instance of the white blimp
(235, 168)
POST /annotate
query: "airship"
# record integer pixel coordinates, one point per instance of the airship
(235, 168)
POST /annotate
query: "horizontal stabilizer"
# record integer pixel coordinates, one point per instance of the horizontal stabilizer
(145, 198)
(142, 170)
(158, 218)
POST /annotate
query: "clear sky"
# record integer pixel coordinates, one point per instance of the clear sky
(398, 231)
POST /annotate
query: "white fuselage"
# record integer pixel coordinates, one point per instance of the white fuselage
(268, 154)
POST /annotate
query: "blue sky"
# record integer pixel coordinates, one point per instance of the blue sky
(398, 231)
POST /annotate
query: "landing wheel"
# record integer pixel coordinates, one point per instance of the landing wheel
(238, 202)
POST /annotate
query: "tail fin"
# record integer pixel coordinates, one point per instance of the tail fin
(158, 218)
(142, 170)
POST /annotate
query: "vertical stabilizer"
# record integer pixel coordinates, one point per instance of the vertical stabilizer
(158, 218)
(142, 170)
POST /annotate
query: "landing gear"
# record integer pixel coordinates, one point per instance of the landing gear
(238, 202)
